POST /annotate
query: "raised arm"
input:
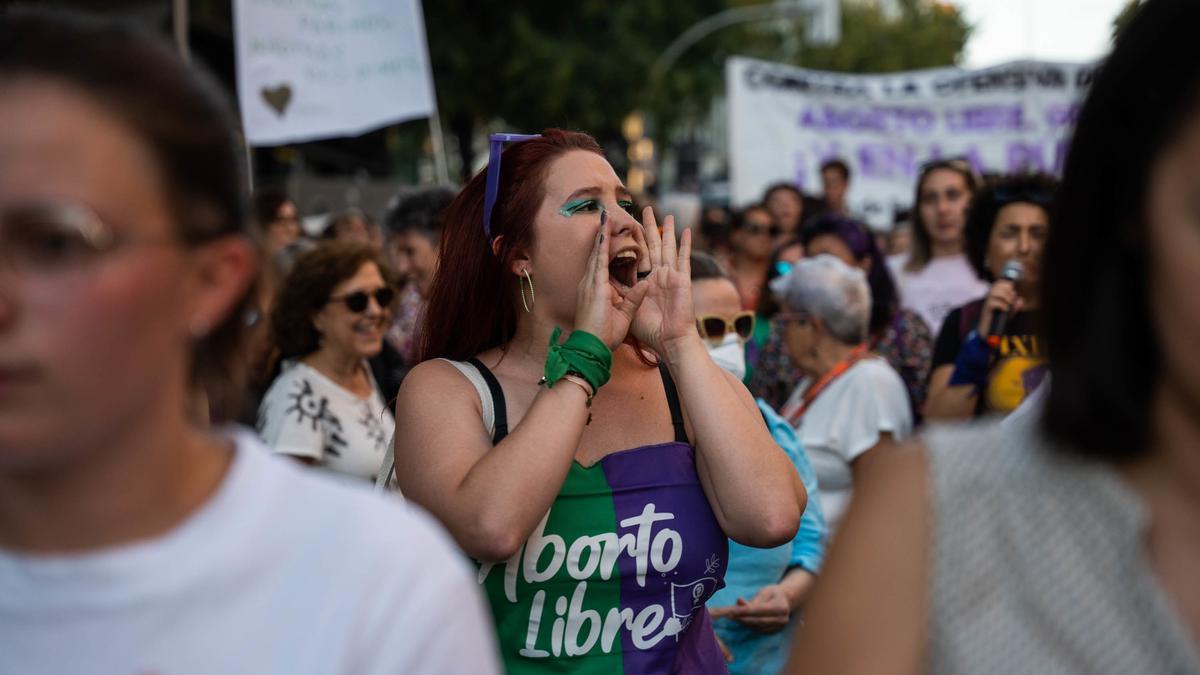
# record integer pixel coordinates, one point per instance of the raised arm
(750, 483)
(492, 498)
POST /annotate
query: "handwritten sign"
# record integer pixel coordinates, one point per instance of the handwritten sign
(786, 121)
(311, 69)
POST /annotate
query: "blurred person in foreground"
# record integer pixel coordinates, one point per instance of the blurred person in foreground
(898, 335)
(132, 539)
(325, 407)
(978, 370)
(1066, 544)
(851, 405)
(753, 236)
(415, 237)
(547, 457)
(934, 276)
(764, 588)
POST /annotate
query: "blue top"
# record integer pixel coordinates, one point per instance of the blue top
(750, 569)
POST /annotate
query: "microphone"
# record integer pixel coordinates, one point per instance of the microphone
(1013, 271)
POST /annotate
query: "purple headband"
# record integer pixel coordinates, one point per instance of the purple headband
(495, 145)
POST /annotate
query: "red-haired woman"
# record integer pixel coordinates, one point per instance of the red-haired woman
(598, 514)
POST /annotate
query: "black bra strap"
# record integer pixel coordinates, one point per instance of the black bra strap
(498, 406)
(673, 403)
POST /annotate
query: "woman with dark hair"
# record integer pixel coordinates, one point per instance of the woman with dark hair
(785, 202)
(976, 369)
(770, 373)
(276, 219)
(752, 236)
(1067, 545)
(935, 276)
(896, 334)
(134, 539)
(623, 452)
(325, 407)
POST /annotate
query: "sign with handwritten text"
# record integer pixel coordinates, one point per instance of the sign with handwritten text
(785, 121)
(310, 69)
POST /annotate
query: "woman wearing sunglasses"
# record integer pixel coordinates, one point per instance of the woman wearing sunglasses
(753, 237)
(330, 317)
(569, 427)
(979, 367)
(764, 587)
(850, 403)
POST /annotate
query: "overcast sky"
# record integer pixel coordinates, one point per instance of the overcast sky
(1051, 30)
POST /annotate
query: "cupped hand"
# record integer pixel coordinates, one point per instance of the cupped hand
(666, 315)
(600, 309)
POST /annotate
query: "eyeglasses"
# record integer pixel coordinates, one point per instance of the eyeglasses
(358, 301)
(714, 328)
(495, 147)
(50, 237)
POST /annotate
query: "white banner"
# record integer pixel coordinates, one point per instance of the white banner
(785, 121)
(310, 69)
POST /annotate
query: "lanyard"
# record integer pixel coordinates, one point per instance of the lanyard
(858, 354)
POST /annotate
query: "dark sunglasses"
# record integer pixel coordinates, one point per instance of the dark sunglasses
(358, 301)
(714, 328)
(1039, 197)
(755, 228)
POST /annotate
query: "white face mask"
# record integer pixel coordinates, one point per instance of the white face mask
(730, 355)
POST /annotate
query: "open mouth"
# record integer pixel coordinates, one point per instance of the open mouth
(623, 268)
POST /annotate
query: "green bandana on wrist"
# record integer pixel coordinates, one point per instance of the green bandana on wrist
(582, 353)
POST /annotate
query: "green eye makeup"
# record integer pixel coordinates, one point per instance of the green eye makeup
(579, 206)
(588, 205)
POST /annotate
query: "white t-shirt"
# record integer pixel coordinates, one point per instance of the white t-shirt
(305, 414)
(846, 420)
(282, 571)
(944, 284)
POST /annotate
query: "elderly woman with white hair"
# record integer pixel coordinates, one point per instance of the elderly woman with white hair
(850, 402)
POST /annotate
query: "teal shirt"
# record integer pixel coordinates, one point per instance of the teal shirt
(750, 569)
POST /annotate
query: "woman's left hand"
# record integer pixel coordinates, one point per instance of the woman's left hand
(767, 612)
(666, 315)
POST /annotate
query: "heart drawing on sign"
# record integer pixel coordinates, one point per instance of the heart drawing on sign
(278, 97)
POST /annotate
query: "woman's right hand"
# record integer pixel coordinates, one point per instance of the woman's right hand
(600, 309)
(1003, 297)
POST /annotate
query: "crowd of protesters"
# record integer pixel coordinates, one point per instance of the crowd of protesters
(599, 443)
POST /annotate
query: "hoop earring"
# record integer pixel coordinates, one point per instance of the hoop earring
(532, 297)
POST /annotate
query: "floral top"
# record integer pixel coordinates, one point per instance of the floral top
(402, 334)
(906, 345)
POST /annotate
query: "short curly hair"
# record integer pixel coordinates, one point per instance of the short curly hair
(996, 193)
(307, 288)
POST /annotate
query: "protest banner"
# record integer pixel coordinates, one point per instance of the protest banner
(785, 121)
(310, 69)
